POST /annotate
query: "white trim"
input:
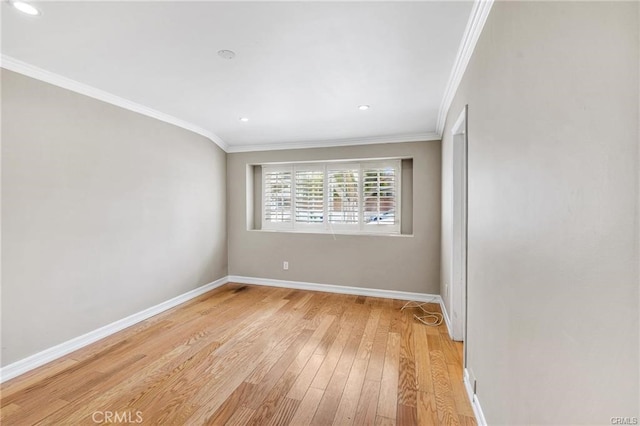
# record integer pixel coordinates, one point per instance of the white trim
(24, 365)
(477, 19)
(477, 410)
(417, 137)
(334, 232)
(458, 288)
(467, 385)
(457, 128)
(445, 315)
(325, 226)
(36, 360)
(332, 288)
(473, 399)
(333, 161)
(32, 71)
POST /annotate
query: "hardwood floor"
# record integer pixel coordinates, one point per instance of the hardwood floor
(250, 355)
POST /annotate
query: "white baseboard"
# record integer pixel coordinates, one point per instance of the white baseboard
(331, 288)
(27, 364)
(475, 403)
(467, 384)
(24, 365)
(447, 320)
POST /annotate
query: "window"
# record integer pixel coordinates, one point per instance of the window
(277, 195)
(309, 199)
(379, 194)
(349, 197)
(343, 194)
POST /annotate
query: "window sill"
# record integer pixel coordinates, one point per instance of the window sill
(359, 234)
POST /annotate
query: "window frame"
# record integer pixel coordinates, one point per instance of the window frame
(275, 225)
(302, 226)
(326, 226)
(344, 227)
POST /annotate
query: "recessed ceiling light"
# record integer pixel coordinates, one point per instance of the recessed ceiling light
(244, 119)
(227, 54)
(26, 8)
(363, 107)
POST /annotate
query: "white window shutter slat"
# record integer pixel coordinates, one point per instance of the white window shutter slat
(343, 199)
(309, 197)
(277, 196)
(359, 197)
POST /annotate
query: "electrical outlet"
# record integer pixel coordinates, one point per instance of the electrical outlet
(285, 265)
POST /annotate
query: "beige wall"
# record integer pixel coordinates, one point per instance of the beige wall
(105, 213)
(552, 90)
(412, 262)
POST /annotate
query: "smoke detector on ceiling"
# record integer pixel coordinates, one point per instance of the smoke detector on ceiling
(227, 54)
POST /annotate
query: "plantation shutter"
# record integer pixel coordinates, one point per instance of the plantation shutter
(349, 197)
(343, 195)
(309, 199)
(277, 195)
(380, 195)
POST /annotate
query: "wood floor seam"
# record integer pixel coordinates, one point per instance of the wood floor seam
(253, 355)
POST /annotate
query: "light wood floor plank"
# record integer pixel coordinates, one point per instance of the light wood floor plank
(271, 405)
(423, 361)
(379, 348)
(445, 403)
(427, 410)
(299, 388)
(407, 416)
(240, 418)
(232, 404)
(407, 382)
(346, 411)
(230, 373)
(334, 391)
(388, 402)
(367, 403)
(333, 355)
(307, 408)
(244, 354)
(385, 421)
(368, 337)
(285, 410)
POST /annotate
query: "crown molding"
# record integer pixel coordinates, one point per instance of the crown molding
(416, 137)
(477, 18)
(32, 71)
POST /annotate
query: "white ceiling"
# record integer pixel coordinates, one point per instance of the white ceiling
(301, 70)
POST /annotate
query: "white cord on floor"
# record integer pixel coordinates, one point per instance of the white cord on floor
(432, 319)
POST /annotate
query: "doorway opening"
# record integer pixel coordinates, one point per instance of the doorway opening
(459, 228)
